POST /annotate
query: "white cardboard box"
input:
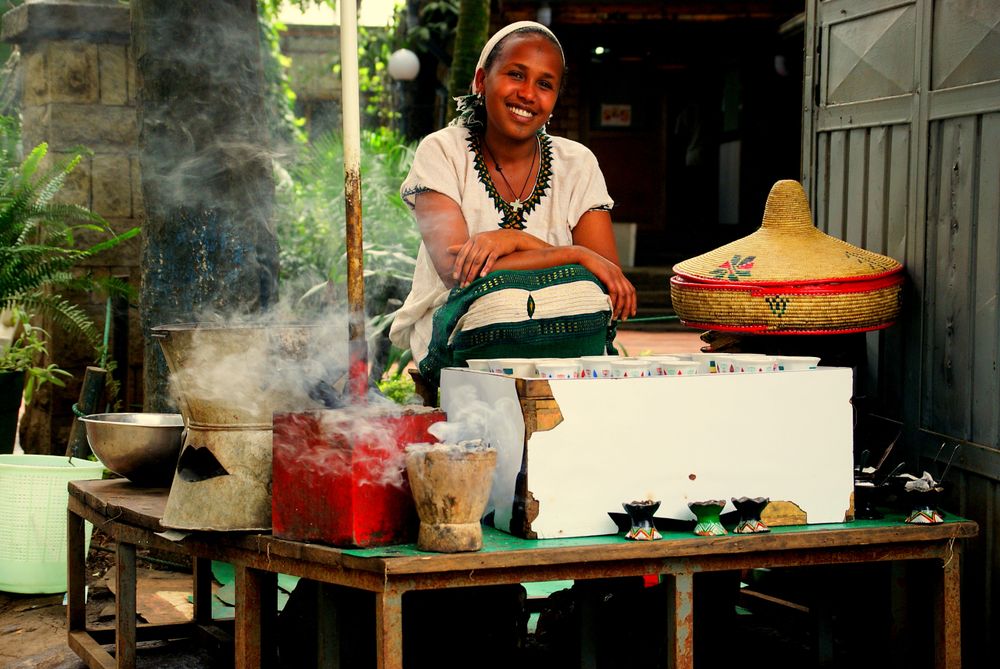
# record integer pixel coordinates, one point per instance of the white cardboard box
(785, 435)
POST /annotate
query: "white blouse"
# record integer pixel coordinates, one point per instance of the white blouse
(450, 162)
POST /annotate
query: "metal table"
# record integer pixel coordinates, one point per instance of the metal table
(131, 516)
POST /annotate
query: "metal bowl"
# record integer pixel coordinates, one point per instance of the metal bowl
(142, 447)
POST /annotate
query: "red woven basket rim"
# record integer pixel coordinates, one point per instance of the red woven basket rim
(804, 282)
(826, 287)
(764, 329)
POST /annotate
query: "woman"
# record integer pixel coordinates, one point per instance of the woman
(493, 191)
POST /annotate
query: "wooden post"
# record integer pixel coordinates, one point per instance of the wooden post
(91, 394)
(351, 114)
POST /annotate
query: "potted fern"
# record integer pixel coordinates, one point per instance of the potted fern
(38, 250)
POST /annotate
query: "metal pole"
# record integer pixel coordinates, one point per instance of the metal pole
(351, 106)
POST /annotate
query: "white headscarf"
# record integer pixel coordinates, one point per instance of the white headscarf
(503, 32)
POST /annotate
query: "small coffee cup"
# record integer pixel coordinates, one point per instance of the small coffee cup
(751, 363)
(558, 369)
(658, 363)
(519, 367)
(707, 362)
(788, 363)
(630, 368)
(681, 368)
(596, 366)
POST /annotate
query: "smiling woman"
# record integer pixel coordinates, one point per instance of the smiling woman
(494, 191)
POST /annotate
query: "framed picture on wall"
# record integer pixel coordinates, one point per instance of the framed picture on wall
(616, 116)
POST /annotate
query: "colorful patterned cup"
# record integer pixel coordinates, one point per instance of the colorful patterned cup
(748, 363)
(563, 369)
(596, 366)
(682, 368)
(788, 363)
(630, 368)
(726, 363)
(659, 363)
(707, 362)
(520, 367)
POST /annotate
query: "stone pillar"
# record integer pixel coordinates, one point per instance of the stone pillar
(208, 185)
(78, 90)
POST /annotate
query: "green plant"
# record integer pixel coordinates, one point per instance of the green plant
(282, 122)
(400, 389)
(311, 220)
(28, 346)
(40, 244)
(432, 34)
(436, 26)
(472, 30)
(38, 239)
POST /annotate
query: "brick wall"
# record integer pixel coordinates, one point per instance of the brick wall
(78, 91)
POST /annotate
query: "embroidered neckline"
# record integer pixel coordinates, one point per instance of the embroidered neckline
(511, 218)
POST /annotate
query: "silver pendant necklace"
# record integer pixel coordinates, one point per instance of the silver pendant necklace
(518, 203)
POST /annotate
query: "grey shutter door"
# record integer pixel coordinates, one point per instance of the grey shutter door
(901, 155)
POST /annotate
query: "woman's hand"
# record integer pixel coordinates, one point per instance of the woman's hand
(620, 290)
(477, 256)
(596, 239)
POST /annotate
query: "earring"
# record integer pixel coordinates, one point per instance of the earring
(470, 110)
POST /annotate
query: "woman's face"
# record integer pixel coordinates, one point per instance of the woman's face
(521, 86)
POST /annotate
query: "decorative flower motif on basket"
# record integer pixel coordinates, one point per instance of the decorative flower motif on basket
(778, 304)
(735, 268)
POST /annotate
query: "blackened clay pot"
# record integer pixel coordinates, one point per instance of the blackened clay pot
(749, 509)
(925, 506)
(640, 514)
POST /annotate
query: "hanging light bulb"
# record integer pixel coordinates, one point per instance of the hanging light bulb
(404, 65)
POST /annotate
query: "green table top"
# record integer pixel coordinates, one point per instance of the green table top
(495, 541)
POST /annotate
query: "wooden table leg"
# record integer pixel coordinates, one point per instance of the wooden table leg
(125, 605)
(589, 604)
(76, 574)
(948, 614)
(680, 620)
(256, 609)
(389, 630)
(202, 579)
(328, 626)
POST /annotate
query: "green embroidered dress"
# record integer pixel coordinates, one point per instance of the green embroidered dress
(451, 162)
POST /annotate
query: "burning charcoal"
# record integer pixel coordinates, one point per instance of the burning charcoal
(325, 394)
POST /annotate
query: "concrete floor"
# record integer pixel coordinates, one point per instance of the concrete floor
(642, 342)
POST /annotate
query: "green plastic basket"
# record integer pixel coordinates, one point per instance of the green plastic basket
(33, 500)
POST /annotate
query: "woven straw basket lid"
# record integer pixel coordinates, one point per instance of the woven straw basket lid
(787, 248)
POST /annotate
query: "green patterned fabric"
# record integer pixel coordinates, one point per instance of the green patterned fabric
(559, 336)
(514, 218)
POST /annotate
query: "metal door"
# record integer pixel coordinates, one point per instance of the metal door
(901, 155)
